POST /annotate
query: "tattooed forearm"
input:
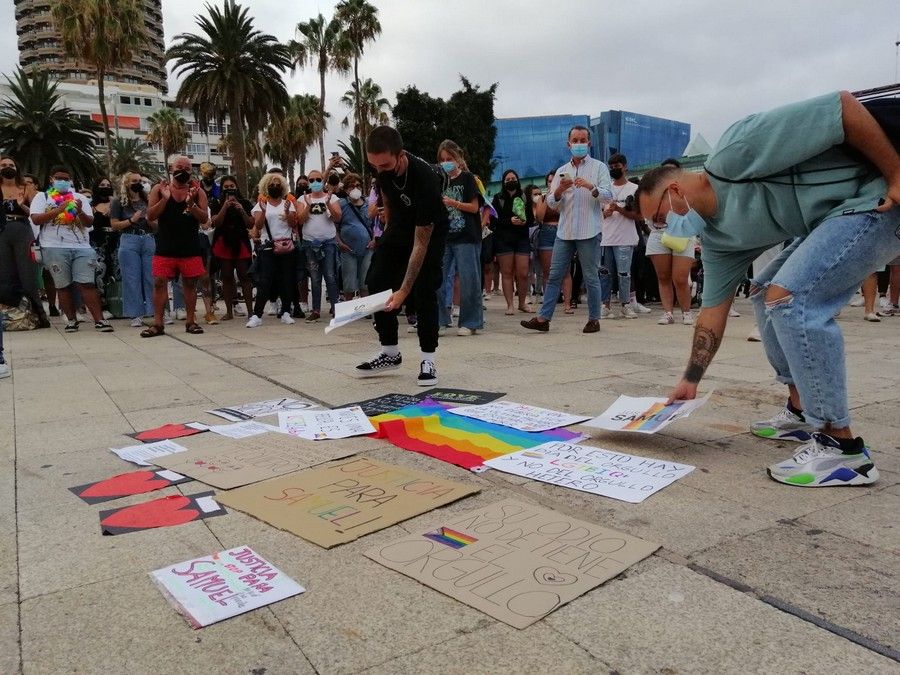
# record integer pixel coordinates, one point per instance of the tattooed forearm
(706, 344)
(417, 257)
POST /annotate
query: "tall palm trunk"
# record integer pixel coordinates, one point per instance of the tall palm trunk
(322, 117)
(101, 95)
(239, 144)
(303, 163)
(359, 119)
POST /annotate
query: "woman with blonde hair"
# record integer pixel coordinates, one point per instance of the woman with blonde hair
(128, 217)
(274, 226)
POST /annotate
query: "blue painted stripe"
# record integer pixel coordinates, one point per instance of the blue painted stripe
(842, 474)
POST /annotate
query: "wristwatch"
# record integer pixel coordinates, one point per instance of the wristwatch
(595, 192)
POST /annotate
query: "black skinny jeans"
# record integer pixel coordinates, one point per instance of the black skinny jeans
(18, 274)
(275, 274)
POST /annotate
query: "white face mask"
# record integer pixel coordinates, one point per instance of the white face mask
(536, 198)
(355, 194)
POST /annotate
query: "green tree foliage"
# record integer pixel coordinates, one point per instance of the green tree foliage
(167, 129)
(132, 154)
(38, 132)
(467, 118)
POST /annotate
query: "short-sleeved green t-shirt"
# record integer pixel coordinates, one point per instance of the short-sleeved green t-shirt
(796, 173)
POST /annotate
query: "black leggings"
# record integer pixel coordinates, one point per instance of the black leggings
(18, 274)
(275, 273)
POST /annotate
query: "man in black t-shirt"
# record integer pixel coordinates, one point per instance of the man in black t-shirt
(409, 254)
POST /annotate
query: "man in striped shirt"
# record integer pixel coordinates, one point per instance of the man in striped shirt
(579, 191)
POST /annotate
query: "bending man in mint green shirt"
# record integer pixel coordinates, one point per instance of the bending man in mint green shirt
(823, 174)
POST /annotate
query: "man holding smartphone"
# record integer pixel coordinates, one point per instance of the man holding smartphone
(579, 191)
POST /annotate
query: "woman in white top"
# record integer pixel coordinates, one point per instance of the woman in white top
(319, 213)
(274, 226)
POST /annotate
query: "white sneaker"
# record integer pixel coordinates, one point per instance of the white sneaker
(888, 311)
(639, 308)
(666, 319)
(181, 314)
(271, 308)
(287, 319)
(254, 322)
(872, 316)
(884, 303)
(733, 312)
(5, 370)
(304, 306)
(240, 310)
(605, 312)
(167, 319)
(83, 318)
(442, 331)
(687, 318)
(754, 336)
(462, 331)
(823, 463)
(628, 312)
(783, 426)
(857, 302)
(137, 322)
(454, 311)
(107, 315)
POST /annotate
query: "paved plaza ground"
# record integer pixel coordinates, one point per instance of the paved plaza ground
(751, 576)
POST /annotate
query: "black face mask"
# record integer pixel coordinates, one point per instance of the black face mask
(274, 191)
(182, 176)
(104, 191)
(616, 174)
(511, 186)
(9, 172)
(229, 192)
(137, 188)
(302, 188)
(334, 179)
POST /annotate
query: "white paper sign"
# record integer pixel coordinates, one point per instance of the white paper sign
(143, 454)
(216, 587)
(317, 425)
(248, 411)
(353, 310)
(628, 478)
(644, 415)
(243, 429)
(519, 416)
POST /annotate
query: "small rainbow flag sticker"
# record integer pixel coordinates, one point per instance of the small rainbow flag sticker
(451, 538)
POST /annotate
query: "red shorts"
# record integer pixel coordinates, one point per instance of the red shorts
(170, 268)
(221, 250)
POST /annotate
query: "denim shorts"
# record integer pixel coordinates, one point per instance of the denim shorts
(546, 237)
(70, 265)
(505, 246)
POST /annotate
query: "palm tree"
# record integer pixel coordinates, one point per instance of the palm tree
(168, 130)
(102, 34)
(370, 106)
(306, 108)
(38, 132)
(360, 23)
(132, 154)
(233, 68)
(324, 46)
(353, 152)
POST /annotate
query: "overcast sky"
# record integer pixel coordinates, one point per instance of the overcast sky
(706, 62)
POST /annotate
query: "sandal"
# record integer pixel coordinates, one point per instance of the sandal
(193, 328)
(526, 310)
(153, 331)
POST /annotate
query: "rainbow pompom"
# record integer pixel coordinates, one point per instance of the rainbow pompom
(67, 202)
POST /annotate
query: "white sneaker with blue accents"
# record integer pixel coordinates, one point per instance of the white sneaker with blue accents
(783, 426)
(823, 463)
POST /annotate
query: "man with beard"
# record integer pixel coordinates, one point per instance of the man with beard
(180, 207)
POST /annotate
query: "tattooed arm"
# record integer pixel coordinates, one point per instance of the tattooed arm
(416, 260)
(707, 338)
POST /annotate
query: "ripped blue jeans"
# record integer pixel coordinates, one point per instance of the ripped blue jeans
(820, 272)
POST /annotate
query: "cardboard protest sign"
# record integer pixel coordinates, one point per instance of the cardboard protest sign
(147, 454)
(319, 425)
(387, 403)
(248, 411)
(342, 501)
(167, 431)
(602, 472)
(519, 416)
(228, 463)
(162, 512)
(222, 585)
(242, 429)
(462, 396)
(644, 414)
(512, 561)
(127, 484)
(358, 308)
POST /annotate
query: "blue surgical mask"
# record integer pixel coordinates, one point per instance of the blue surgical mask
(688, 225)
(579, 150)
(449, 167)
(62, 185)
(316, 185)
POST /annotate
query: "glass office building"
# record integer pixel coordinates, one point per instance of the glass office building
(534, 145)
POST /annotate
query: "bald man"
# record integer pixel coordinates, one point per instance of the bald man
(824, 174)
(180, 208)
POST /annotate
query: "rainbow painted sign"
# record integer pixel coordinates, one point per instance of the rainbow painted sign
(644, 415)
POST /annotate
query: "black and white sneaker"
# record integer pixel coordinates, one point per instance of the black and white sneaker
(427, 374)
(103, 326)
(71, 326)
(380, 364)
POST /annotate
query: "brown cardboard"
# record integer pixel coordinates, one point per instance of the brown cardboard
(228, 463)
(342, 501)
(525, 561)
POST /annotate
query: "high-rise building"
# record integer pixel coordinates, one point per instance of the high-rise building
(40, 48)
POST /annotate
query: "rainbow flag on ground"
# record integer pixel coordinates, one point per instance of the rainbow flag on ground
(428, 428)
